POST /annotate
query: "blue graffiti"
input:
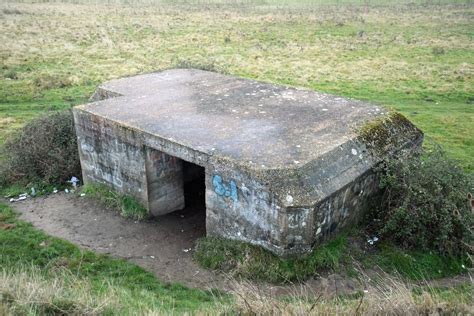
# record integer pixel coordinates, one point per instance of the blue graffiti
(222, 189)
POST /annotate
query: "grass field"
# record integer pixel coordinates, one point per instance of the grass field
(416, 57)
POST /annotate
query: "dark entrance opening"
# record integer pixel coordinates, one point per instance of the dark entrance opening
(194, 212)
(194, 186)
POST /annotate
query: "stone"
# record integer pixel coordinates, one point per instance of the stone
(285, 168)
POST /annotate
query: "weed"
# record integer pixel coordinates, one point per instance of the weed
(129, 206)
(208, 65)
(255, 263)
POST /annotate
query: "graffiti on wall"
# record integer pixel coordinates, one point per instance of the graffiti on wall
(225, 189)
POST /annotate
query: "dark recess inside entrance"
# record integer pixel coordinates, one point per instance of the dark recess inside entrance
(194, 192)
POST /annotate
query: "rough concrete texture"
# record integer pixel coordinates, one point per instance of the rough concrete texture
(284, 168)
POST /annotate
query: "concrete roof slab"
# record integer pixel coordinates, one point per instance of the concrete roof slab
(257, 124)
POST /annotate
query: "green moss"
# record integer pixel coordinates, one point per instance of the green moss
(383, 134)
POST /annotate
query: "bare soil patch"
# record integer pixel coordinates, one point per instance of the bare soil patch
(161, 245)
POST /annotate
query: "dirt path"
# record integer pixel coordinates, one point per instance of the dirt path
(163, 246)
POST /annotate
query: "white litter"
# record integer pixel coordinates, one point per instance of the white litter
(66, 190)
(33, 192)
(153, 257)
(74, 181)
(187, 249)
(55, 190)
(83, 194)
(20, 198)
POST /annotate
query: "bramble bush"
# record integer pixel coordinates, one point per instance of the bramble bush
(425, 203)
(44, 150)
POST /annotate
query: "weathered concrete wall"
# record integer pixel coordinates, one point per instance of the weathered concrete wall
(240, 208)
(112, 155)
(165, 189)
(344, 208)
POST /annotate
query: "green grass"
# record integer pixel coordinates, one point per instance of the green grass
(340, 255)
(25, 246)
(129, 206)
(415, 265)
(254, 263)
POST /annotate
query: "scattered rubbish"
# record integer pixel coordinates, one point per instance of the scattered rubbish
(153, 257)
(66, 190)
(55, 190)
(187, 249)
(74, 181)
(42, 244)
(373, 240)
(21, 197)
(33, 192)
(83, 194)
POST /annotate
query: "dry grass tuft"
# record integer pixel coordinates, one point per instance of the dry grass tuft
(386, 296)
(29, 291)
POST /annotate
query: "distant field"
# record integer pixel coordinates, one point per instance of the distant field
(414, 56)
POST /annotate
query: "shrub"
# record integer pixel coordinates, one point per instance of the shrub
(45, 150)
(425, 203)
